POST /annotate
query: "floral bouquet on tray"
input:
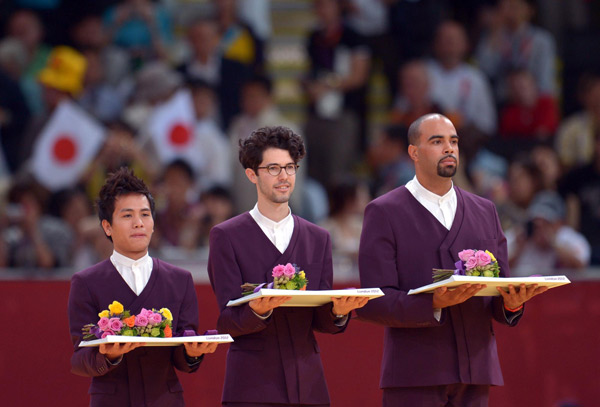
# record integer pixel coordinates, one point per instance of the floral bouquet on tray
(285, 277)
(117, 321)
(476, 263)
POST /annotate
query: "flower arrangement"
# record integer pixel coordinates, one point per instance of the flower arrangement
(285, 277)
(476, 263)
(117, 321)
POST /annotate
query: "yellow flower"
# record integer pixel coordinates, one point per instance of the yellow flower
(166, 313)
(103, 314)
(301, 274)
(491, 255)
(115, 308)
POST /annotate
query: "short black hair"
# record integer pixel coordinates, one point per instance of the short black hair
(284, 138)
(262, 81)
(119, 183)
(414, 131)
(183, 165)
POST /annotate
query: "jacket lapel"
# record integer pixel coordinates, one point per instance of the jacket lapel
(449, 254)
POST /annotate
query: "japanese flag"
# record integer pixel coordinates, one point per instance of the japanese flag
(171, 127)
(66, 146)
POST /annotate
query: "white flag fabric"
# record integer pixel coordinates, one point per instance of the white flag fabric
(171, 127)
(66, 146)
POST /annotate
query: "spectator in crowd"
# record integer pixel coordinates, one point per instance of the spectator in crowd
(217, 203)
(142, 27)
(177, 222)
(512, 42)
(34, 239)
(89, 35)
(258, 110)
(528, 115)
(74, 208)
(523, 183)
(575, 136)
(546, 160)
(62, 79)
(257, 14)
(461, 90)
(25, 26)
(99, 98)
(388, 158)
(14, 112)
(547, 243)
(581, 187)
(214, 146)
(339, 62)
(414, 96)
(238, 41)
(207, 63)
(347, 201)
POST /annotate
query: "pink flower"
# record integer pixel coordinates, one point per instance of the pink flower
(145, 312)
(483, 259)
(289, 270)
(103, 323)
(141, 320)
(471, 263)
(115, 324)
(278, 270)
(155, 319)
(106, 333)
(466, 254)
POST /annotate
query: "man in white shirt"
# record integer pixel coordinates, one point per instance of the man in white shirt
(128, 373)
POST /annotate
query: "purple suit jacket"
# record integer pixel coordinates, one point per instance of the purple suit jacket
(400, 243)
(274, 360)
(145, 376)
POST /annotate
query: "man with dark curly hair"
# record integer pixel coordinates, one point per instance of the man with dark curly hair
(129, 374)
(274, 360)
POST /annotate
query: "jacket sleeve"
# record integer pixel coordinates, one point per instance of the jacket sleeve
(226, 278)
(186, 320)
(323, 319)
(500, 315)
(378, 267)
(87, 362)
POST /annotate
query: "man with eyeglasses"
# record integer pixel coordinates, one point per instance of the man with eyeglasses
(274, 360)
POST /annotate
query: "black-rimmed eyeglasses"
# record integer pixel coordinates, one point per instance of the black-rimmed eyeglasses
(275, 169)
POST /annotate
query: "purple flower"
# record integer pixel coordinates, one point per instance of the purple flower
(106, 333)
(155, 319)
(471, 263)
(278, 270)
(289, 270)
(258, 287)
(96, 331)
(483, 259)
(211, 332)
(270, 285)
(465, 255)
(103, 323)
(115, 324)
(141, 320)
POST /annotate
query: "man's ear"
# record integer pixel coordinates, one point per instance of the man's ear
(106, 227)
(251, 175)
(412, 152)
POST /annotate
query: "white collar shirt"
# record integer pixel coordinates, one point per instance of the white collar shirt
(136, 273)
(279, 233)
(443, 208)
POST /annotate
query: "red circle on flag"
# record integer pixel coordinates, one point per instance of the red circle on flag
(64, 149)
(180, 135)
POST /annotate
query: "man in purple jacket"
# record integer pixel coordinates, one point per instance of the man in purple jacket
(130, 374)
(274, 360)
(439, 348)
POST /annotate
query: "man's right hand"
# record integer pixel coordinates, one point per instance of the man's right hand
(114, 351)
(265, 304)
(442, 297)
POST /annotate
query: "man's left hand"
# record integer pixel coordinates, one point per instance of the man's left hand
(195, 349)
(343, 305)
(513, 299)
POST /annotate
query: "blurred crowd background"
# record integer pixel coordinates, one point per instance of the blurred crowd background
(520, 79)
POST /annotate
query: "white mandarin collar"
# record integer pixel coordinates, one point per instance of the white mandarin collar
(431, 196)
(125, 261)
(268, 223)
